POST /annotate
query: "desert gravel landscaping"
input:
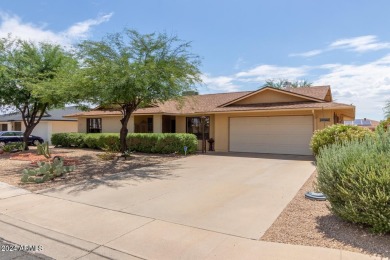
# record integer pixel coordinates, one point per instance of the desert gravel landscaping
(306, 222)
(88, 167)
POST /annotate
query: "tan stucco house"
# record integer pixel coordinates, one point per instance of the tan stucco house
(53, 121)
(267, 120)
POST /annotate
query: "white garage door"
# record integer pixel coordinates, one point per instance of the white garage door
(42, 130)
(280, 135)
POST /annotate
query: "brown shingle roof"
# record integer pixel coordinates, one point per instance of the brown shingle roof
(212, 103)
(276, 106)
(318, 92)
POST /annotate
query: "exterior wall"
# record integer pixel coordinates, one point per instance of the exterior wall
(82, 125)
(110, 124)
(157, 123)
(323, 114)
(269, 96)
(64, 127)
(180, 124)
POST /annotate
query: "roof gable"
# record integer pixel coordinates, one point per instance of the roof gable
(320, 92)
(271, 95)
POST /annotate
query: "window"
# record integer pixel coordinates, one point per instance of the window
(150, 124)
(18, 126)
(94, 125)
(194, 126)
(4, 127)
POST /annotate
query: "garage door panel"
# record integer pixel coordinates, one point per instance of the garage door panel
(282, 135)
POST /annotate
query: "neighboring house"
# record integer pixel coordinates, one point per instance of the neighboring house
(53, 121)
(367, 123)
(267, 120)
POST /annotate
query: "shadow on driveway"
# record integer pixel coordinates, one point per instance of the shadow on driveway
(114, 179)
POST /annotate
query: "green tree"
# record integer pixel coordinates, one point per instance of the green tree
(285, 83)
(129, 70)
(386, 109)
(33, 79)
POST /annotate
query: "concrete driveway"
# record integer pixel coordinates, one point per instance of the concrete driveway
(199, 207)
(236, 194)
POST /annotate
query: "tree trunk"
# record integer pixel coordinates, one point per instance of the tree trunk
(30, 119)
(26, 134)
(124, 131)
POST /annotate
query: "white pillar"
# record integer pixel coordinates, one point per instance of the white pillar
(157, 123)
(9, 126)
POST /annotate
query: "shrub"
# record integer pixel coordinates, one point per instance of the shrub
(91, 141)
(162, 143)
(68, 139)
(355, 177)
(10, 147)
(139, 142)
(384, 124)
(337, 134)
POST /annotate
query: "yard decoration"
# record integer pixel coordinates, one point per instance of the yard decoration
(315, 195)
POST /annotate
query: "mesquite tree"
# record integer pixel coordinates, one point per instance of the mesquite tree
(33, 79)
(129, 70)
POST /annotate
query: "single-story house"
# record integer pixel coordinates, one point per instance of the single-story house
(365, 122)
(267, 120)
(53, 121)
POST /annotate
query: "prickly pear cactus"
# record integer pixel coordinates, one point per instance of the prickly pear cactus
(46, 171)
(43, 149)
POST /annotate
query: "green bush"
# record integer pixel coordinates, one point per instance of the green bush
(18, 146)
(139, 142)
(162, 143)
(384, 124)
(355, 177)
(68, 139)
(337, 134)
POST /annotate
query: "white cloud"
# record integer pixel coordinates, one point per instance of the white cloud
(360, 44)
(367, 86)
(12, 24)
(218, 84)
(264, 72)
(81, 29)
(307, 54)
(355, 44)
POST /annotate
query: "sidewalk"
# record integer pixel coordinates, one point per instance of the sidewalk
(72, 230)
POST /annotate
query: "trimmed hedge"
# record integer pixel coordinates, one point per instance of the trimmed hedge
(139, 142)
(355, 177)
(337, 134)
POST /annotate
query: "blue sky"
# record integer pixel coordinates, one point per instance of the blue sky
(345, 44)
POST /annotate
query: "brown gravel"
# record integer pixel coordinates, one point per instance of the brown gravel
(89, 166)
(310, 223)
